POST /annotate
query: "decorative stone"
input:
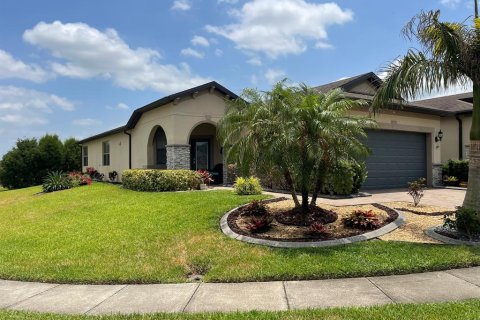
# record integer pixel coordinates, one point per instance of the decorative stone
(178, 156)
(437, 175)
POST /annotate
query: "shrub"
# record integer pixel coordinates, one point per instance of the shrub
(417, 189)
(254, 208)
(259, 224)
(364, 220)
(160, 180)
(457, 168)
(345, 178)
(112, 176)
(79, 179)
(466, 221)
(247, 186)
(94, 174)
(451, 181)
(205, 176)
(318, 228)
(56, 181)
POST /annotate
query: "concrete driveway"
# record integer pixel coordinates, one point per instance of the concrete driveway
(446, 198)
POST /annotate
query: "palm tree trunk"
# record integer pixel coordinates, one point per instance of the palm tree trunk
(472, 198)
(291, 185)
(305, 207)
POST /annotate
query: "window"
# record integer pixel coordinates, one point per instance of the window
(85, 156)
(106, 153)
(160, 142)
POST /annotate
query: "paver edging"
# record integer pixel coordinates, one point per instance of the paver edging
(313, 244)
(434, 235)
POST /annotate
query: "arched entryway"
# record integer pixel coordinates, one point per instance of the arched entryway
(205, 151)
(157, 149)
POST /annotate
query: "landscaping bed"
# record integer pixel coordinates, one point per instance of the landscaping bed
(421, 209)
(290, 224)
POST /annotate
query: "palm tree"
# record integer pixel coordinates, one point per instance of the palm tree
(295, 131)
(450, 56)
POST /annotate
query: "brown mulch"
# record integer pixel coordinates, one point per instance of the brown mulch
(290, 232)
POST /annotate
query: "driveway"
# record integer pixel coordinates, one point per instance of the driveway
(440, 197)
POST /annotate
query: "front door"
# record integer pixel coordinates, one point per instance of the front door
(200, 155)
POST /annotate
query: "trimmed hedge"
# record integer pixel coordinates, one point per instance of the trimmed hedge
(456, 168)
(160, 180)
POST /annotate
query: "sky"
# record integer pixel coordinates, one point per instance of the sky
(76, 68)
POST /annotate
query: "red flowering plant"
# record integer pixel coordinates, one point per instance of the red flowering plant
(362, 219)
(79, 179)
(205, 176)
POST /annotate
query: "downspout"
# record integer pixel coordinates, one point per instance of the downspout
(460, 137)
(129, 149)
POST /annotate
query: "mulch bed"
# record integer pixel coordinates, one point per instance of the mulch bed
(289, 225)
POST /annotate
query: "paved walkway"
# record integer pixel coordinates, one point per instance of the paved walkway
(449, 285)
(440, 197)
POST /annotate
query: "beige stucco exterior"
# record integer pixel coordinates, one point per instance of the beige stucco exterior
(196, 115)
(178, 119)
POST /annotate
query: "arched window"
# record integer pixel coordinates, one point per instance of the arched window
(160, 145)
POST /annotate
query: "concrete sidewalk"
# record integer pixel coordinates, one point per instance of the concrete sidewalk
(449, 285)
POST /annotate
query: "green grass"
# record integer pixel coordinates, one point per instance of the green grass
(467, 310)
(105, 234)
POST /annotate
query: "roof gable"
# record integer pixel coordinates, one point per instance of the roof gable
(356, 84)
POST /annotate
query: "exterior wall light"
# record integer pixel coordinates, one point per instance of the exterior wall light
(439, 136)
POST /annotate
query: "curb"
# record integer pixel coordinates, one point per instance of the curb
(313, 244)
(434, 235)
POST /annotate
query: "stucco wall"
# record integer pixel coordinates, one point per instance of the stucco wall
(450, 141)
(118, 154)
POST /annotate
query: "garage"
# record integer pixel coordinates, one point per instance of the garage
(397, 157)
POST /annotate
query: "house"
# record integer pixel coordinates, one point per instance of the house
(179, 132)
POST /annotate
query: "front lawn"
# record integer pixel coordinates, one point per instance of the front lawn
(105, 234)
(465, 310)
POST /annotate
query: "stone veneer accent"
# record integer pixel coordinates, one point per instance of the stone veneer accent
(437, 180)
(178, 156)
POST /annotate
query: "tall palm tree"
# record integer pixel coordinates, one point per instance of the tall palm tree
(450, 56)
(295, 131)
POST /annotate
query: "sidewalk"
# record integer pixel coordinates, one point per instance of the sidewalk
(442, 286)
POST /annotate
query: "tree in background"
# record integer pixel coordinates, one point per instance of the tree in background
(30, 161)
(73, 155)
(19, 167)
(450, 56)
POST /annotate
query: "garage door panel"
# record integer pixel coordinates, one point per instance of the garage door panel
(397, 158)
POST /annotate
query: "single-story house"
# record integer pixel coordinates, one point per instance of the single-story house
(179, 132)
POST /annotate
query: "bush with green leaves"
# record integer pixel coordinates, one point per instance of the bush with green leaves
(347, 177)
(456, 168)
(160, 180)
(466, 221)
(56, 181)
(247, 186)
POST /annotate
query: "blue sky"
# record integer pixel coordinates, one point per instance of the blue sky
(76, 68)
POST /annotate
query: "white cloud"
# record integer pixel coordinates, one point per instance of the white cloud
(323, 45)
(227, 1)
(274, 75)
(450, 3)
(200, 41)
(21, 108)
(254, 80)
(181, 5)
(189, 52)
(86, 52)
(122, 106)
(281, 27)
(13, 68)
(218, 52)
(255, 61)
(119, 106)
(86, 122)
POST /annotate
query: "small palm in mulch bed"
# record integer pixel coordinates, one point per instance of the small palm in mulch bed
(296, 217)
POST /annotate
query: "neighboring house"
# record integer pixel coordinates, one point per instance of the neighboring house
(179, 132)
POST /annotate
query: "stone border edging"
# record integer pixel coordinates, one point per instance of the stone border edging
(434, 235)
(313, 244)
